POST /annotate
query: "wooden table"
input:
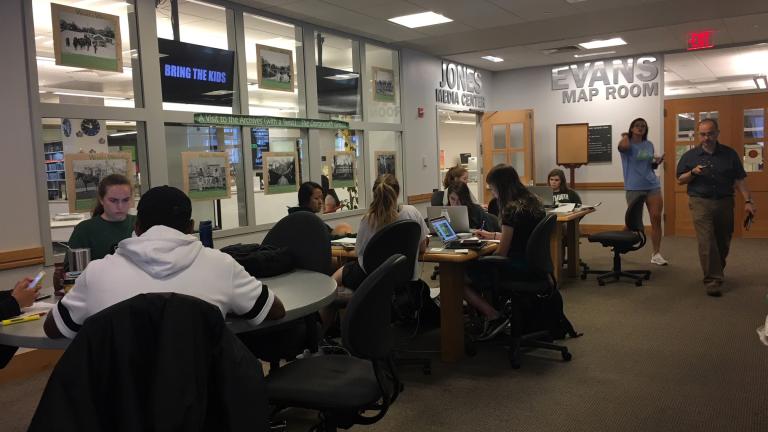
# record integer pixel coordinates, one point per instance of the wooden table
(301, 291)
(567, 223)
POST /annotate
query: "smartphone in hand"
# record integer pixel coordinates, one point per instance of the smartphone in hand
(748, 222)
(36, 280)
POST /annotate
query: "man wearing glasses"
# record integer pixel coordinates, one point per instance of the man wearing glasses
(711, 170)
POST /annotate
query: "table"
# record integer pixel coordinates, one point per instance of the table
(570, 223)
(301, 291)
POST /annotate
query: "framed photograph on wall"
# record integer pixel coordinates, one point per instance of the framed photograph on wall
(275, 67)
(84, 171)
(383, 84)
(86, 39)
(386, 163)
(206, 175)
(343, 173)
(281, 172)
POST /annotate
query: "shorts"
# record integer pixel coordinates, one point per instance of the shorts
(632, 194)
(352, 275)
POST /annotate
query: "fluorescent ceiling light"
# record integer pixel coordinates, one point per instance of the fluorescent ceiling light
(345, 76)
(492, 59)
(122, 133)
(420, 19)
(461, 122)
(602, 43)
(594, 54)
(761, 82)
(88, 95)
(206, 4)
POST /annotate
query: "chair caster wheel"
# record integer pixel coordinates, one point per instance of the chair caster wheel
(601, 283)
(639, 282)
(567, 356)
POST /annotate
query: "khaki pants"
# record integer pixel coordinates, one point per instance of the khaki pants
(713, 222)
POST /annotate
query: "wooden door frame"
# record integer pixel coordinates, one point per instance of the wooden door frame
(524, 116)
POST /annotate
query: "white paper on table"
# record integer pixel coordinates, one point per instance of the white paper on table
(345, 241)
(564, 208)
(37, 307)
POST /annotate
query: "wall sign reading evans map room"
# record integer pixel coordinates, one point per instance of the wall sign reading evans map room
(607, 80)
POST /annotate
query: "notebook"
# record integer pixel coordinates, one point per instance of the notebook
(449, 237)
(459, 216)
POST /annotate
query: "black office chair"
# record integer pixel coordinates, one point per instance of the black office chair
(437, 198)
(531, 299)
(631, 239)
(346, 388)
(400, 237)
(154, 362)
(306, 236)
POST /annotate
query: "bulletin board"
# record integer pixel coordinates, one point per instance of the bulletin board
(572, 144)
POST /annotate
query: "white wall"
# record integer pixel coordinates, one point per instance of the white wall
(532, 88)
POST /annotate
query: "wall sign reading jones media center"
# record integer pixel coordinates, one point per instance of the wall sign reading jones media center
(607, 80)
(461, 87)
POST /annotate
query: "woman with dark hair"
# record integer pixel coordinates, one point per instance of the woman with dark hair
(639, 161)
(454, 174)
(561, 193)
(459, 195)
(311, 200)
(520, 212)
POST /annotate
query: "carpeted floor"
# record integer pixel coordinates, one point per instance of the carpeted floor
(661, 357)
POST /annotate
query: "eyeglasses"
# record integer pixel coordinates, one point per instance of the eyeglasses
(708, 134)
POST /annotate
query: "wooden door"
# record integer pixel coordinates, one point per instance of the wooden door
(750, 115)
(508, 139)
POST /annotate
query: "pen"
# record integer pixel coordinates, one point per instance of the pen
(43, 297)
(482, 226)
(20, 319)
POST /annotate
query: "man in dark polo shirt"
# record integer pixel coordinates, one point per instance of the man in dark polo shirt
(711, 170)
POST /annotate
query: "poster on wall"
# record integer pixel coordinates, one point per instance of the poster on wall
(86, 39)
(275, 66)
(383, 85)
(281, 172)
(599, 147)
(206, 175)
(84, 171)
(343, 174)
(386, 163)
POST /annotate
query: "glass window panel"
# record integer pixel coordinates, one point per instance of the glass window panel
(339, 152)
(200, 23)
(754, 124)
(338, 77)
(81, 137)
(753, 157)
(499, 158)
(90, 49)
(213, 182)
(383, 85)
(714, 115)
(686, 126)
(499, 136)
(278, 94)
(385, 156)
(516, 135)
(271, 205)
(518, 161)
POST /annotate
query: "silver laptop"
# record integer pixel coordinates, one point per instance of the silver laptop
(545, 195)
(449, 238)
(458, 215)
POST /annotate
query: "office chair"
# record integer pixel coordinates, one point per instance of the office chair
(306, 236)
(631, 239)
(536, 287)
(346, 388)
(160, 361)
(400, 237)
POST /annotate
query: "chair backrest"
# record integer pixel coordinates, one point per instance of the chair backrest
(365, 329)
(633, 218)
(537, 250)
(437, 198)
(399, 237)
(307, 237)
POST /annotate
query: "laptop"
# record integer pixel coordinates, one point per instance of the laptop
(449, 237)
(459, 216)
(545, 195)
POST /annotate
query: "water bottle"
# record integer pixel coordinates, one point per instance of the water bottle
(444, 213)
(206, 233)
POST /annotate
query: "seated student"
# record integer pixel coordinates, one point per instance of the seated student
(331, 200)
(561, 193)
(459, 195)
(11, 303)
(311, 200)
(454, 174)
(520, 212)
(163, 258)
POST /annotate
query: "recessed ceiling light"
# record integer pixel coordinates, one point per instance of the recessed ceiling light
(493, 59)
(420, 19)
(761, 82)
(594, 54)
(603, 43)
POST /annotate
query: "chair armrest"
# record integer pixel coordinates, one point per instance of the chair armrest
(493, 259)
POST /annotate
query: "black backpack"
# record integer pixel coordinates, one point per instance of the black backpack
(261, 260)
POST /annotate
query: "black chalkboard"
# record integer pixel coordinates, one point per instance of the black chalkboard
(600, 144)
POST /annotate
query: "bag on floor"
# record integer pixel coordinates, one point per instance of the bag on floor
(546, 313)
(412, 305)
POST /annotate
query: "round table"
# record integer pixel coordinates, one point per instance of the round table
(302, 292)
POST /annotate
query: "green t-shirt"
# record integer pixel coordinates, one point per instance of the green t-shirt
(101, 236)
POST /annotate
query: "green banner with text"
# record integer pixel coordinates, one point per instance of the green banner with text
(266, 121)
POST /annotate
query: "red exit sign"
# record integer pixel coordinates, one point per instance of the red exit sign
(700, 40)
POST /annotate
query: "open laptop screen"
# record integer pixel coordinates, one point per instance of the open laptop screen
(443, 229)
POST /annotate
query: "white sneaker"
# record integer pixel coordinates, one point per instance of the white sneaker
(658, 260)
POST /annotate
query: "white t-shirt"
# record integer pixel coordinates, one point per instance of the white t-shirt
(365, 232)
(163, 260)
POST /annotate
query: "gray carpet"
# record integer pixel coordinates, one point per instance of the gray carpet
(662, 357)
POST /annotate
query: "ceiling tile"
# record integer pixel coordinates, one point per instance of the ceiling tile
(535, 10)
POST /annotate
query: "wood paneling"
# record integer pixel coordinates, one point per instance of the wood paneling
(598, 186)
(21, 258)
(421, 198)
